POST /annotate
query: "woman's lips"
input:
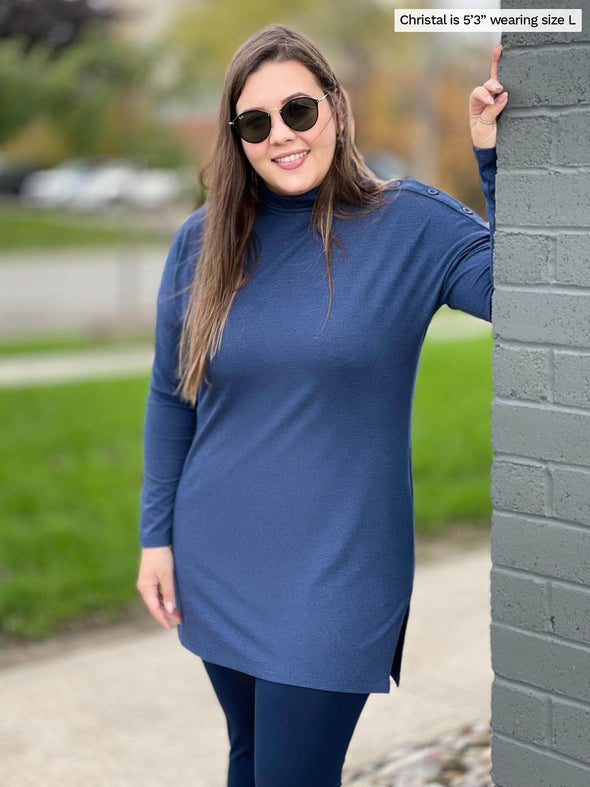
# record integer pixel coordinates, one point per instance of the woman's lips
(291, 164)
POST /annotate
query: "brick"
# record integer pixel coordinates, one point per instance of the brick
(571, 259)
(519, 712)
(543, 199)
(570, 147)
(572, 378)
(544, 547)
(571, 494)
(518, 600)
(522, 259)
(570, 612)
(518, 486)
(546, 76)
(541, 661)
(519, 765)
(542, 317)
(540, 432)
(521, 372)
(527, 141)
(571, 729)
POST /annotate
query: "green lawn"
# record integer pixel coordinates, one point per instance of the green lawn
(451, 433)
(70, 468)
(24, 228)
(37, 344)
(70, 471)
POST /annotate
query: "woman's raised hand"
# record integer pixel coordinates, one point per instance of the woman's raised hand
(487, 101)
(156, 584)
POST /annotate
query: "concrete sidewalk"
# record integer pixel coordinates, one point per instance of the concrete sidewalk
(138, 709)
(52, 367)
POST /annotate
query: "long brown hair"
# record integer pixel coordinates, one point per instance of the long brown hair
(233, 200)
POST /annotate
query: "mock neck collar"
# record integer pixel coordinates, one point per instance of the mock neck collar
(287, 203)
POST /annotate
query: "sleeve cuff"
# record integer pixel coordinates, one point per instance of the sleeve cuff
(486, 154)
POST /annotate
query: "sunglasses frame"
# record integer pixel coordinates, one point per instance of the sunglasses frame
(280, 110)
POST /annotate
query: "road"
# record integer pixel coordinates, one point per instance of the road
(79, 289)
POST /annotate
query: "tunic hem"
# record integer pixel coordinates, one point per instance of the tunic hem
(249, 667)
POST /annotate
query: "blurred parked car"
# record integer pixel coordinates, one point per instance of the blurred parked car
(56, 187)
(108, 185)
(13, 177)
(90, 188)
(153, 188)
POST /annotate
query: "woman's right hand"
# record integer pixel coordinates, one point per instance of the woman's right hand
(156, 584)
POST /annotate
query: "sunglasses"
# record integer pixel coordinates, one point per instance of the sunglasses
(299, 113)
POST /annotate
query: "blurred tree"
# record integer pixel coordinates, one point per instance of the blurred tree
(86, 81)
(22, 89)
(40, 142)
(95, 94)
(392, 120)
(354, 34)
(56, 23)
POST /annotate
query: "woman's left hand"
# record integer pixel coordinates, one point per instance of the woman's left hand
(487, 101)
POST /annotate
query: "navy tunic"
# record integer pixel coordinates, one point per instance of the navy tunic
(286, 494)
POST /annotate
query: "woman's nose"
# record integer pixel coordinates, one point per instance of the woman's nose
(279, 130)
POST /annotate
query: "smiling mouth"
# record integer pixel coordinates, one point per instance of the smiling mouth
(291, 157)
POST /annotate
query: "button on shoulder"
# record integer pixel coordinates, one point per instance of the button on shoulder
(440, 196)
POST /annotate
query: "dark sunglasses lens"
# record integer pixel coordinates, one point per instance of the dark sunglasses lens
(253, 126)
(300, 113)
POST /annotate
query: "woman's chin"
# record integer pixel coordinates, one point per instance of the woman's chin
(291, 187)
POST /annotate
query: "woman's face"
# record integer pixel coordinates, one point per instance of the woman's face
(271, 86)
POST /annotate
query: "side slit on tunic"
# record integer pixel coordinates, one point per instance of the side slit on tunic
(396, 664)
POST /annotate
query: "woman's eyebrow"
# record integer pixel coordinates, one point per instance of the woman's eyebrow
(294, 95)
(284, 101)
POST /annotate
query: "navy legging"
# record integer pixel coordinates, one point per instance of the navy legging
(281, 735)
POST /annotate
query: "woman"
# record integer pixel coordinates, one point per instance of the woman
(277, 508)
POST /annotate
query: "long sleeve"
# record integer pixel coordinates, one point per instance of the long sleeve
(486, 162)
(170, 423)
(468, 281)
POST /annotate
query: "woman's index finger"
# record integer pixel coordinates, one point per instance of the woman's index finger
(496, 54)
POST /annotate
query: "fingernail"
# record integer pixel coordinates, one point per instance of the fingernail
(169, 607)
(497, 86)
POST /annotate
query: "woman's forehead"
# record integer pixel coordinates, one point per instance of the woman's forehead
(274, 83)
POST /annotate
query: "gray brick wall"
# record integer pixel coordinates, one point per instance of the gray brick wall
(540, 579)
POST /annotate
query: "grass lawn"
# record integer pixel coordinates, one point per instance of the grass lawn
(451, 434)
(70, 471)
(26, 228)
(37, 344)
(70, 468)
